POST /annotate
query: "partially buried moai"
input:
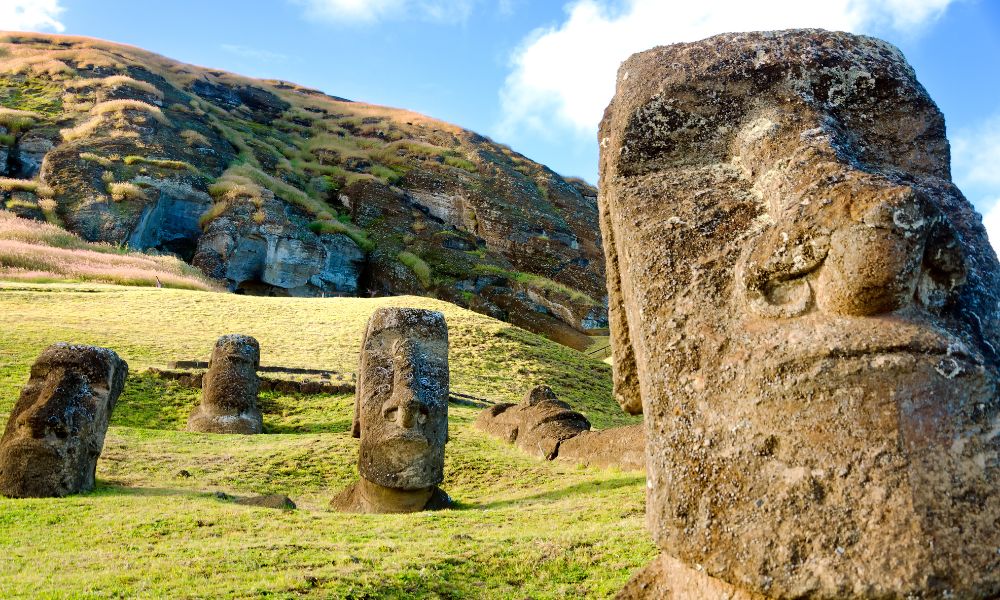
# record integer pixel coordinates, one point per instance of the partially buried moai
(400, 414)
(56, 431)
(805, 308)
(229, 389)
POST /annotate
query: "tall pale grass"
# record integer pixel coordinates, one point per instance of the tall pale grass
(34, 251)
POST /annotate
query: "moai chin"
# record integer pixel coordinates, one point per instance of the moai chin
(55, 433)
(229, 389)
(400, 413)
(805, 308)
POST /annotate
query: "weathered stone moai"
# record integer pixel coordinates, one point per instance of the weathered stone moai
(805, 308)
(56, 431)
(544, 426)
(229, 389)
(538, 425)
(400, 414)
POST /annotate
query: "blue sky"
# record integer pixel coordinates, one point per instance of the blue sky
(536, 74)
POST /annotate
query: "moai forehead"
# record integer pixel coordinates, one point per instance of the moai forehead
(796, 287)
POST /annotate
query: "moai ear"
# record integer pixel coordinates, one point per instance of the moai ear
(624, 372)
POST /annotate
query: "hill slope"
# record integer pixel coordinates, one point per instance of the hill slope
(277, 189)
(523, 528)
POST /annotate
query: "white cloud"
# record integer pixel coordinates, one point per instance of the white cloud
(253, 53)
(975, 166)
(372, 11)
(975, 155)
(566, 74)
(30, 15)
(991, 219)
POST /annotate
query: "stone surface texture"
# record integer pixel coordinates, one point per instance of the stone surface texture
(56, 431)
(400, 412)
(805, 308)
(229, 389)
(538, 425)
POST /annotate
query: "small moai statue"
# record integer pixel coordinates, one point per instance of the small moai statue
(56, 431)
(400, 414)
(229, 389)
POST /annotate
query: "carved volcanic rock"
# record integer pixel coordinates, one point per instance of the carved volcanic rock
(55, 433)
(229, 389)
(232, 174)
(400, 413)
(805, 308)
(538, 425)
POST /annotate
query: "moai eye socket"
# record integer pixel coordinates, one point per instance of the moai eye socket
(390, 413)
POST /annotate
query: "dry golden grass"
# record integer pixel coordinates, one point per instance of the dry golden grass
(193, 138)
(129, 104)
(126, 190)
(40, 252)
(115, 81)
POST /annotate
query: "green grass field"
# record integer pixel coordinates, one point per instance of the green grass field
(522, 527)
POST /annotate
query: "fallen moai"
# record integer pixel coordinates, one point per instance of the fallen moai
(229, 389)
(546, 427)
(805, 309)
(55, 433)
(400, 414)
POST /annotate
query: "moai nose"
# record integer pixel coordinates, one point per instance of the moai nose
(874, 262)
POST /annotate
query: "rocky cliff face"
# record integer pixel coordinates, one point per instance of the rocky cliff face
(278, 189)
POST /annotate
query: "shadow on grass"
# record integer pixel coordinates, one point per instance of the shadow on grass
(586, 487)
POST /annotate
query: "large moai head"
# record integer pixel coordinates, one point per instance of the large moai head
(805, 308)
(401, 403)
(229, 389)
(56, 431)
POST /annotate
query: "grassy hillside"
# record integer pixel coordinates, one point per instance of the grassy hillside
(124, 146)
(523, 527)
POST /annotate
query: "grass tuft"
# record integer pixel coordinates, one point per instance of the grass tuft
(126, 190)
(420, 268)
(358, 235)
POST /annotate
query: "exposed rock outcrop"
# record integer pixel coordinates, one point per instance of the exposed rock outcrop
(278, 255)
(400, 414)
(55, 434)
(805, 308)
(229, 389)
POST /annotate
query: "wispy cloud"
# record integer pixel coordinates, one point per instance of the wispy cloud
(975, 162)
(31, 15)
(975, 155)
(254, 53)
(565, 75)
(991, 219)
(367, 12)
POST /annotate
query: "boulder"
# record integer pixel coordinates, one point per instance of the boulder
(619, 447)
(538, 425)
(229, 389)
(400, 413)
(55, 433)
(807, 311)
